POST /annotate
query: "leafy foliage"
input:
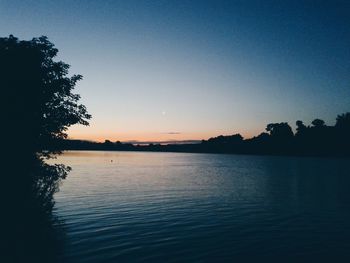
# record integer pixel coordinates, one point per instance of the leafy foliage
(38, 93)
(38, 106)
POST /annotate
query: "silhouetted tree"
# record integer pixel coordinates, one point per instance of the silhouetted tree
(38, 94)
(108, 144)
(280, 131)
(230, 139)
(37, 106)
(301, 128)
(281, 136)
(317, 123)
(343, 122)
(342, 131)
(262, 137)
(320, 137)
(223, 143)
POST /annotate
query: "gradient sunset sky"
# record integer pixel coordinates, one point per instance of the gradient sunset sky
(179, 70)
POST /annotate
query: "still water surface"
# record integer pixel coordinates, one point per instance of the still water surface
(183, 207)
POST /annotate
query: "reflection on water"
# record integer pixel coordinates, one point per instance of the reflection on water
(147, 207)
(29, 230)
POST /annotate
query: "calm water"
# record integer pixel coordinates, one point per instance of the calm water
(181, 207)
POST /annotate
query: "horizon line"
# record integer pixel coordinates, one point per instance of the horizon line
(135, 142)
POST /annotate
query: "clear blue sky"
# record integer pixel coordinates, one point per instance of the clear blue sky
(175, 70)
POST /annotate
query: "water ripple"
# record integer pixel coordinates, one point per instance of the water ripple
(178, 207)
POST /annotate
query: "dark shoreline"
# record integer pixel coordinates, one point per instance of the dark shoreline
(317, 140)
(81, 145)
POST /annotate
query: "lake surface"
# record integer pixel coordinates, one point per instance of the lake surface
(183, 207)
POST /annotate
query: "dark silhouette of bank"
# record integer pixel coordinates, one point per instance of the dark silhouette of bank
(37, 108)
(316, 139)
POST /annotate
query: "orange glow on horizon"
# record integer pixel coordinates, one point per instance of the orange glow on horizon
(151, 137)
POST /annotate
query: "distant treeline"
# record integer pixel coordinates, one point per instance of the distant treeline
(317, 139)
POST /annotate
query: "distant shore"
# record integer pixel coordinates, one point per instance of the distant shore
(201, 147)
(317, 139)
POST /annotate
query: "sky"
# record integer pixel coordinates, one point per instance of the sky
(189, 70)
